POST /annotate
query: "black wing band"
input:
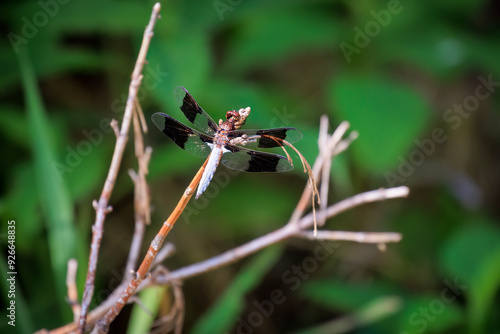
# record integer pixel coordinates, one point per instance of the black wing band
(193, 112)
(186, 138)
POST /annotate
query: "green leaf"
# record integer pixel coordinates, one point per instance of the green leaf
(373, 312)
(140, 320)
(428, 314)
(337, 295)
(483, 290)
(223, 315)
(387, 115)
(472, 258)
(351, 298)
(463, 253)
(55, 202)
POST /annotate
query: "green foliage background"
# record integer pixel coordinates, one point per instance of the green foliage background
(397, 71)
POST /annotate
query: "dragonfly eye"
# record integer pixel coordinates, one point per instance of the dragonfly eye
(232, 114)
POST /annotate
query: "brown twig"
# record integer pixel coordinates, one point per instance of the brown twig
(154, 248)
(362, 237)
(93, 316)
(316, 169)
(142, 207)
(72, 289)
(325, 176)
(327, 146)
(102, 207)
(286, 232)
(166, 251)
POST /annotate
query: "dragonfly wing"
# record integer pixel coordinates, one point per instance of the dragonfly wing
(193, 111)
(240, 158)
(186, 138)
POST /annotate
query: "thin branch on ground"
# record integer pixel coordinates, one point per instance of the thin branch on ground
(102, 207)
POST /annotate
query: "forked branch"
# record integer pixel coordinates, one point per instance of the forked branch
(102, 207)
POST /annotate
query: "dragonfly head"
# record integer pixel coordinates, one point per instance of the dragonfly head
(238, 118)
(232, 116)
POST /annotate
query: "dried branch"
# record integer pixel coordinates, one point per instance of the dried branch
(154, 248)
(142, 207)
(362, 237)
(356, 200)
(316, 169)
(327, 147)
(286, 232)
(167, 250)
(102, 207)
(72, 289)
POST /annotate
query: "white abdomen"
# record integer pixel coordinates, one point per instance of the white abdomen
(212, 164)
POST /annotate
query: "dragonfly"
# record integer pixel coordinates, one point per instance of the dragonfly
(225, 141)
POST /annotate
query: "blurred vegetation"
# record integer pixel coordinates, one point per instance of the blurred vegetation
(397, 71)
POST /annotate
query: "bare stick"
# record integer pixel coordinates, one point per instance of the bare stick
(102, 207)
(316, 169)
(93, 316)
(325, 175)
(327, 150)
(141, 194)
(167, 250)
(154, 248)
(72, 289)
(139, 228)
(288, 231)
(356, 200)
(362, 237)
